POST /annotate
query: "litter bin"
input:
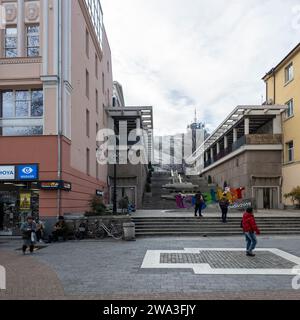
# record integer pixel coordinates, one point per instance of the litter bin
(129, 231)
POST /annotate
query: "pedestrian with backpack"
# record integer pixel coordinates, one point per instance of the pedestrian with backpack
(224, 204)
(199, 202)
(250, 230)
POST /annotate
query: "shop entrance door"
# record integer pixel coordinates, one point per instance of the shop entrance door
(266, 198)
(17, 201)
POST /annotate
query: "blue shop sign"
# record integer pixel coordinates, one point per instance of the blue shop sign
(28, 172)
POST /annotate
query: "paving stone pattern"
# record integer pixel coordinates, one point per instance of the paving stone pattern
(229, 260)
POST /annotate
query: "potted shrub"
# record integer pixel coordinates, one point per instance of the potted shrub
(98, 208)
(295, 196)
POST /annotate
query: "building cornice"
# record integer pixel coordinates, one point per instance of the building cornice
(21, 60)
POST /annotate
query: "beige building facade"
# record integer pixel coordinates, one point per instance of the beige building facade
(283, 87)
(55, 83)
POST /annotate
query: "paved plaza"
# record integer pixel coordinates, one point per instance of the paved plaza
(113, 269)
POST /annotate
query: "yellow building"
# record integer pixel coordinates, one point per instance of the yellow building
(283, 87)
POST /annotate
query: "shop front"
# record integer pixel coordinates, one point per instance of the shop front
(19, 196)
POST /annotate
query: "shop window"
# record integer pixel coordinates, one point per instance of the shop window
(10, 42)
(33, 40)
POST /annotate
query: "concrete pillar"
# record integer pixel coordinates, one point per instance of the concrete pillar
(225, 142)
(45, 41)
(277, 125)
(218, 147)
(211, 154)
(247, 126)
(21, 29)
(235, 135)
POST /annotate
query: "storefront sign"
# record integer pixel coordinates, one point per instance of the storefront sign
(7, 173)
(67, 186)
(27, 172)
(49, 185)
(99, 193)
(55, 185)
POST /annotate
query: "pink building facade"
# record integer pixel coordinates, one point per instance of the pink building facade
(55, 82)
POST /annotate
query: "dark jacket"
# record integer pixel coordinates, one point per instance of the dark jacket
(27, 229)
(199, 199)
(224, 204)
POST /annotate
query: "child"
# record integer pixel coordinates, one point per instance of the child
(250, 228)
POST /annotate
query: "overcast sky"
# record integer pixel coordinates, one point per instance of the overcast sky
(178, 55)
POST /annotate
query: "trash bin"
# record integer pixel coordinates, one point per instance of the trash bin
(129, 231)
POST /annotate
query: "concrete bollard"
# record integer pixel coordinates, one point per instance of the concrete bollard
(129, 231)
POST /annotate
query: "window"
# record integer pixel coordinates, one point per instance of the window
(108, 66)
(87, 123)
(97, 170)
(97, 101)
(289, 73)
(22, 104)
(87, 43)
(33, 40)
(10, 43)
(87, 83)
(103, 83)
(97, 129)
(290, 110)
(96, 15)
(290, 151)
(96, 66)
(88, 161)
(21, 112)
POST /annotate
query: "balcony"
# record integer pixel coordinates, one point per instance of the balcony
(251, 139)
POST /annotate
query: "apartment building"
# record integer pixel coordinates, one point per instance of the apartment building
(244, 153)
(55, 83)
(283, 87)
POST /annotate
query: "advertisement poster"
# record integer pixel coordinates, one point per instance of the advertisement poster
(25, 200)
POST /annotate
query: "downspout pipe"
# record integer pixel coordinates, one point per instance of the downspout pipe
(59, 103)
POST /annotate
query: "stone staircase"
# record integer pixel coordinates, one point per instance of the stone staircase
(154, 201)
(212, 226)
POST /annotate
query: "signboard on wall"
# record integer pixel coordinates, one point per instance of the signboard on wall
(7, 172)
(55, 185)
(27, 172)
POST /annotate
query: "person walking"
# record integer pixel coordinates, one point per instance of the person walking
(250, 229)
(40, 230)
(224, 204)
(28, 229)
(199, 201)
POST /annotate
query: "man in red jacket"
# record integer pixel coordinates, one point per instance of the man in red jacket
(250, 228)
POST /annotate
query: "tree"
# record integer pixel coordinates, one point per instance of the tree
(294, 195)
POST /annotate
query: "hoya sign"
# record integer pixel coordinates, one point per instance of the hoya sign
(7, 172)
